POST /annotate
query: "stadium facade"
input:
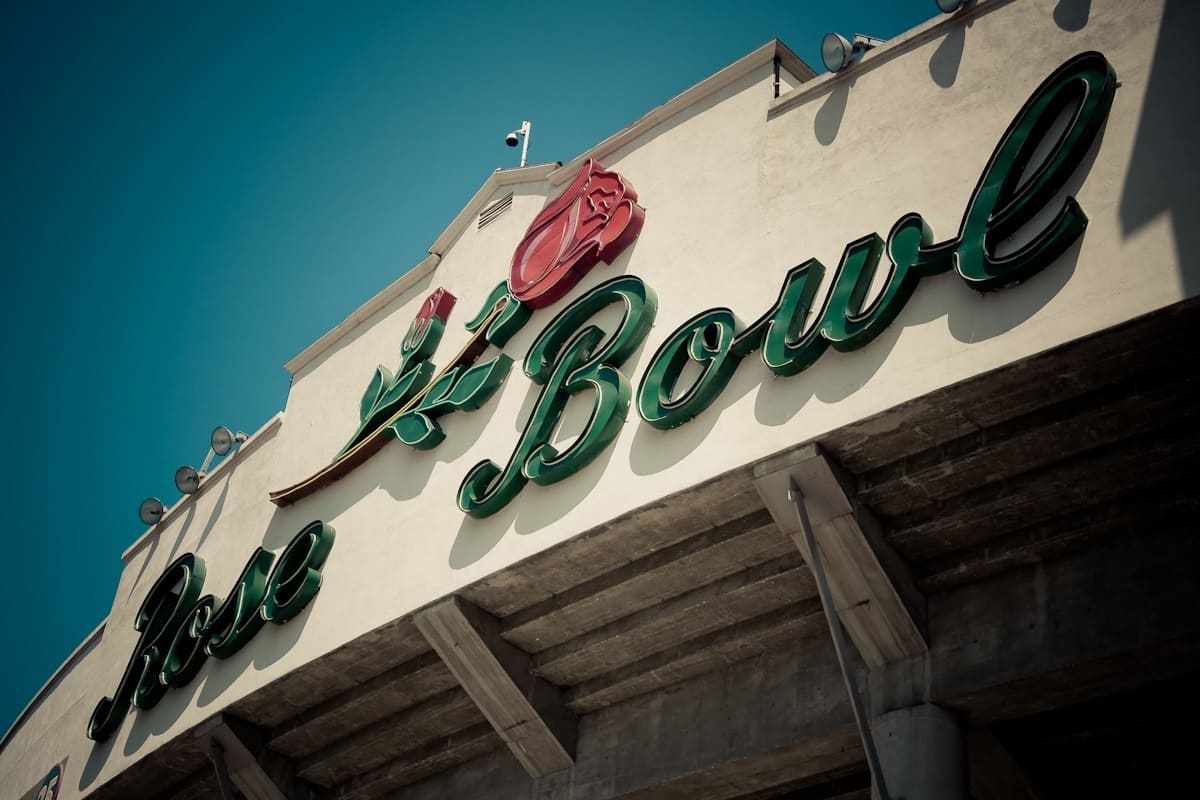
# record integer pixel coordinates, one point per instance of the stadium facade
(582, 505)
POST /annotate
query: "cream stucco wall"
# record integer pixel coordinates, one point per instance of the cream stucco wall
(737, 189)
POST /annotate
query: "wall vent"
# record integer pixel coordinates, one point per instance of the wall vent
(495, 209)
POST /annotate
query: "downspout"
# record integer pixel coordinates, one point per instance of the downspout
(839, 639)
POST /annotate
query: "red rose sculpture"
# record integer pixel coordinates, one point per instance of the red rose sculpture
(436, 306)
(592, 221)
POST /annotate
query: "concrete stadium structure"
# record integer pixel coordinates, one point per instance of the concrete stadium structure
(592, 574)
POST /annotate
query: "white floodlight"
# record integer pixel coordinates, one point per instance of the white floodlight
(187, 479)
(521, 133)
(150, 511)
(223, 439)
(837, 52)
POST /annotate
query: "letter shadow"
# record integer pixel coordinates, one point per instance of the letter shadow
(270, 644)
(532, 510)
(839, 375)
(409, 470)
(1009, 308)
(216, 676)
(536, 506)
(156, 721)
(1162, 170)
(654, 450)
(97, 758)
(834, 378)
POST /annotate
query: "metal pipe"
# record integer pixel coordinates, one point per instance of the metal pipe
(839, 640)
(526, 127)
(207, 462)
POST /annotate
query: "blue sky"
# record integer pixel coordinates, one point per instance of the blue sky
(196, 192)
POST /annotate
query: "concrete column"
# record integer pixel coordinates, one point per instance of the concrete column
(922, 751)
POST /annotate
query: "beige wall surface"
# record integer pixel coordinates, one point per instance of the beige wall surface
(738, 188)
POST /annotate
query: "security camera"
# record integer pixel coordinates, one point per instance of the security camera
(514, 137)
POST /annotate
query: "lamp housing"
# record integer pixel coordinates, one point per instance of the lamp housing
(187, 479)
(151, 511)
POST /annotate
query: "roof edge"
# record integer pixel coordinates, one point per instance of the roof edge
(774, 49)
(878, 56)
(499, 178)
(555, 173)
(360, 314)
(51, 682)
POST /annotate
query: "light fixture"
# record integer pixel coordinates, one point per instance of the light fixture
(187, 479)
(837, 52)
(521, 133)
(223, 439)
(150, 511)
(950, 6)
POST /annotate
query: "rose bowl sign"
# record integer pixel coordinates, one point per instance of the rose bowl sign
(598, 216)
(592, 221)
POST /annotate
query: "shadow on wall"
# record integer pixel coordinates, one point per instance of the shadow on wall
(404, 472)
(218, 508)
(1072, 15)
(970, 316)
(139, 727)
(1069, 15)
(943, 68)
(97, 758)
(944, 63)
(1162, 171)
(539, 506)
(533, 509)
(146, 724)
(270, 644)
(153, 548)
(653, 451)
(828, 119)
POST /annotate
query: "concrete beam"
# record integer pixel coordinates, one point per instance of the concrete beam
(413, 680)
(874, 593)
(255, 772)
(1036, 638)
(465, 746)
(767, 722)
(412, 727)
(525, 710)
